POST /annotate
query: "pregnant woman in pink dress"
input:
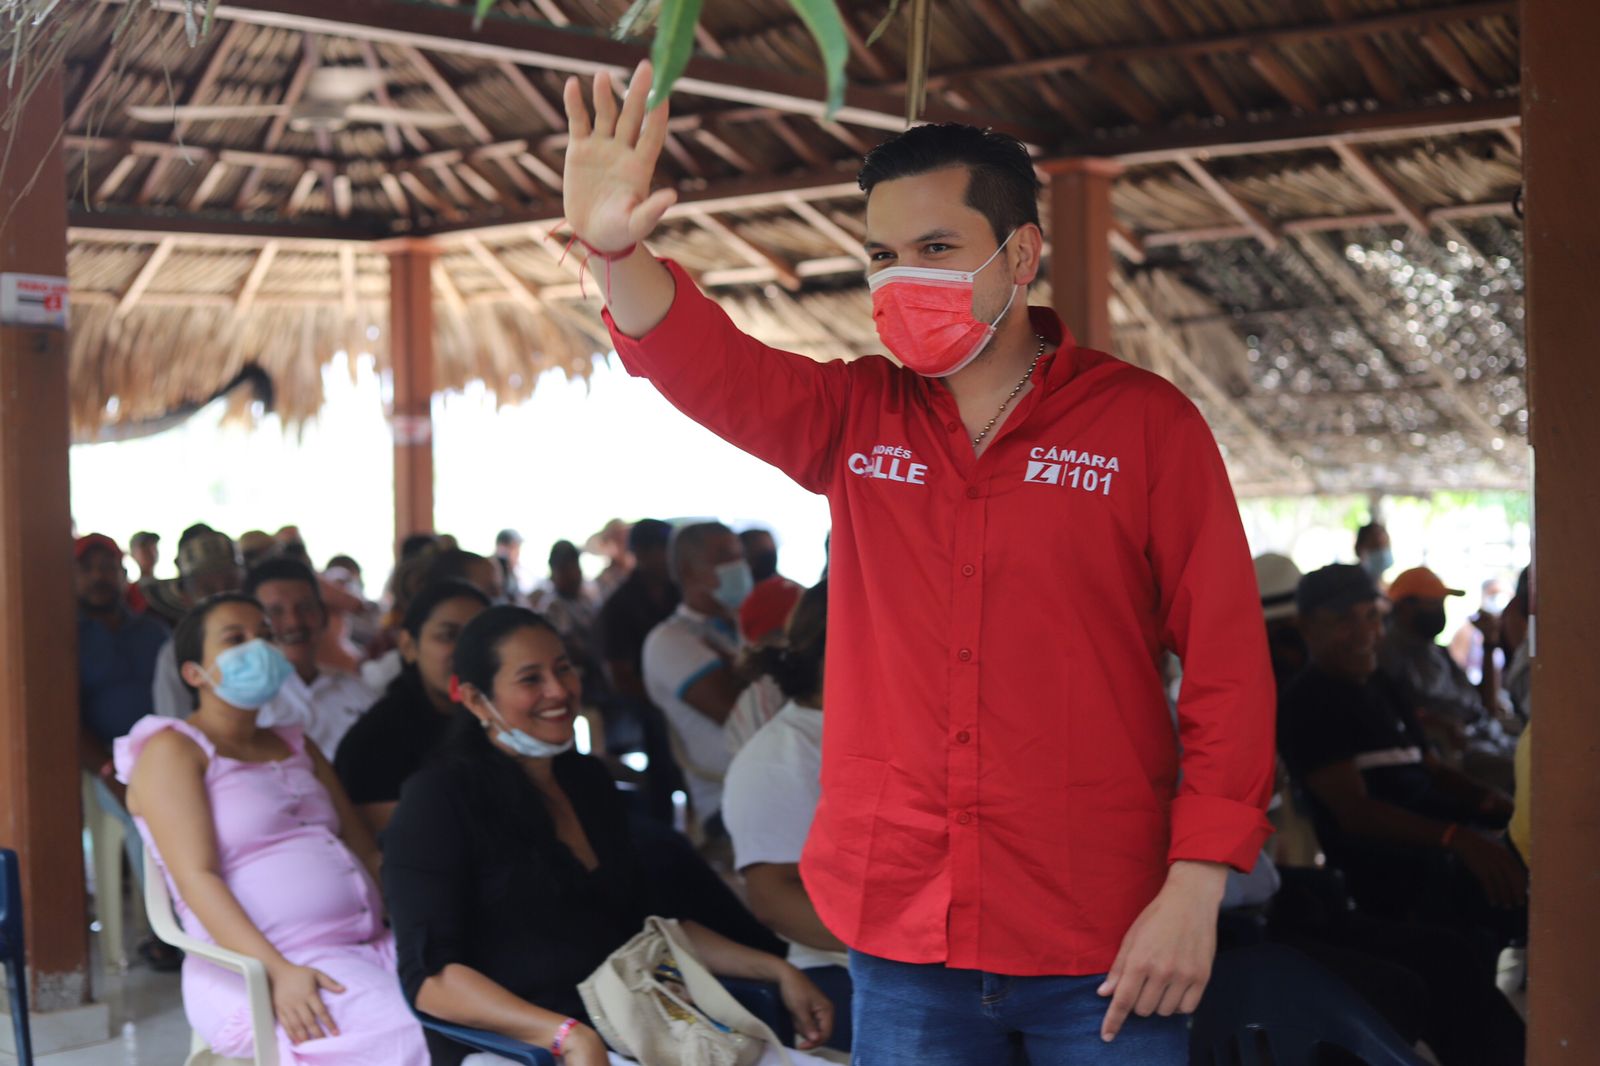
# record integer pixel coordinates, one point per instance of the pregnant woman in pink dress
(265, 856)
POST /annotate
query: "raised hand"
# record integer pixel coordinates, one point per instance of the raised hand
(610, 160)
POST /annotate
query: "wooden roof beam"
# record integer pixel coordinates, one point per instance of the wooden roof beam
(147, 273)
(1383, 187)
(253, 280)
(525, 87)
(1343, 277)
(447, 94)
(1116, 86)
(449, 30)
(828, 228)
(302, 192)
(1251, 217)
(1385, 86)
(1445, 52)
(804, 149)
(1284, 81)
(999, 21)
(747, 250)
(291, 96)
(347, 284)
(392, 131)
(113, 180)
(1398, 21)
(727, 152)
(215, 173)
(1272, 451)
(1298, 133)
(1198, 68)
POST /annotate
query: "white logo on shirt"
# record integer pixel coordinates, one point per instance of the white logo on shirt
(1071, 468)
(889, 462)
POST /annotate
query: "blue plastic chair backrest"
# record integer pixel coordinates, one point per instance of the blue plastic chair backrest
(1271, 1004)
(10, 905)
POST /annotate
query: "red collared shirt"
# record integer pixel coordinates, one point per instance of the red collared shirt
(1000, 782)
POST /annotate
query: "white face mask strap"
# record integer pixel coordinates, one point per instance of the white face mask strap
(997, 251)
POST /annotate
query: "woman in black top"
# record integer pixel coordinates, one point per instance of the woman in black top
(509, 868)
(392, 740)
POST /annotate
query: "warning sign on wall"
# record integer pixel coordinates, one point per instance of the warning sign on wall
(33, 300)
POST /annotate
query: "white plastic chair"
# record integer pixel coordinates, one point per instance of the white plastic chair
(263, 1024)
(107, 843)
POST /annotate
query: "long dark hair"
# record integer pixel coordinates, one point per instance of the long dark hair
(795, 663)
(506, 807)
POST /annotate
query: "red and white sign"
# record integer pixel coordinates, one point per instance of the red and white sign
(33, 300)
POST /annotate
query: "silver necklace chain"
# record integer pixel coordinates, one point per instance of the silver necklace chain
(978, 440)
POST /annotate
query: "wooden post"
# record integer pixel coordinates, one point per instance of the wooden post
(1561, 156)
(40, 811)
(411, 358)
(1080, 247)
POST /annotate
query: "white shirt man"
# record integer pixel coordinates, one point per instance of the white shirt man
(325, 707)
(770, 797)
(679, 653)
(323, 703)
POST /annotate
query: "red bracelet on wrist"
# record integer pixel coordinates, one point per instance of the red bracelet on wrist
(562, 1034)
(610, 257)
(1449, 835)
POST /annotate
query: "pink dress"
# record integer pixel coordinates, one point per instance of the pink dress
(281, 856)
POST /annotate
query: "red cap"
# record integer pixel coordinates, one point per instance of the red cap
(1420, 583)
(89, 542)
(768, 608)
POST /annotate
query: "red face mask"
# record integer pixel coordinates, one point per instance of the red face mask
(924, 316)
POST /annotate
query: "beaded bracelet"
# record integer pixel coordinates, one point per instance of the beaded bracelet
(561, 1036)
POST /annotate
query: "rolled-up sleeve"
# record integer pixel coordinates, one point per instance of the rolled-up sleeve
(426, 877)
(1211, 618)
(783, 408)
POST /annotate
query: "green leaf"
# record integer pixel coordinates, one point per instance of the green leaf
(822, 18)
(211, 16)
(481, 9)
(637, 20)
(877, 31)
(673, 46)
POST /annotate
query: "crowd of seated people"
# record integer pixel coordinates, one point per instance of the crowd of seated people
(418, 760)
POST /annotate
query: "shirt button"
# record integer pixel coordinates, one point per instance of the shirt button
(953, 426)
(963, 736)
(964, 818)
(968, 570)
(972, 492)
(965, 655)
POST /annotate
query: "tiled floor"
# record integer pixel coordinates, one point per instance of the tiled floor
(147, 1018)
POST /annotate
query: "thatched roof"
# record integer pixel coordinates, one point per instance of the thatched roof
(1314, 216)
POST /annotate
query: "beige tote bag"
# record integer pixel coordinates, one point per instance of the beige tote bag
(653, 1001)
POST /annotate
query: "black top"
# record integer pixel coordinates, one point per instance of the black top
(628, 616)
(471, 880)
(390, 742)
(1323, 720)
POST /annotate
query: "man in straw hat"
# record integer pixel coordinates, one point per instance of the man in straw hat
(1021, 526)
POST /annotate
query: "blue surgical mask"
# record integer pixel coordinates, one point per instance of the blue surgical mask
(1377, 563)
(734, 583)
(250, 674)
(525, 744)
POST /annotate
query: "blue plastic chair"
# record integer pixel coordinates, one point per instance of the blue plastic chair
(760, 998)
(14, 953)
(1272, 1005)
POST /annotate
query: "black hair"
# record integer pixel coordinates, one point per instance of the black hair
(649, 533)
(562, 549)
(452, 563)
(1367, 532)
(416, 543)
(145, 537)
(189, 639)
(796, 663)
(1002, 184)
(477, 655)
(424, 603)
(193, 531)
(346, 562)
(281, 568)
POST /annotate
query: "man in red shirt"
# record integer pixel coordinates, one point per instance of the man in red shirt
(1021, 527)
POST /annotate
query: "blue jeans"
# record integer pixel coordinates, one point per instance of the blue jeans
(929, 1015)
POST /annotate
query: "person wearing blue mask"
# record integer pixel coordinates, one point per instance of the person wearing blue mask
(1373, 551)
(691, 668)
(265, 856)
